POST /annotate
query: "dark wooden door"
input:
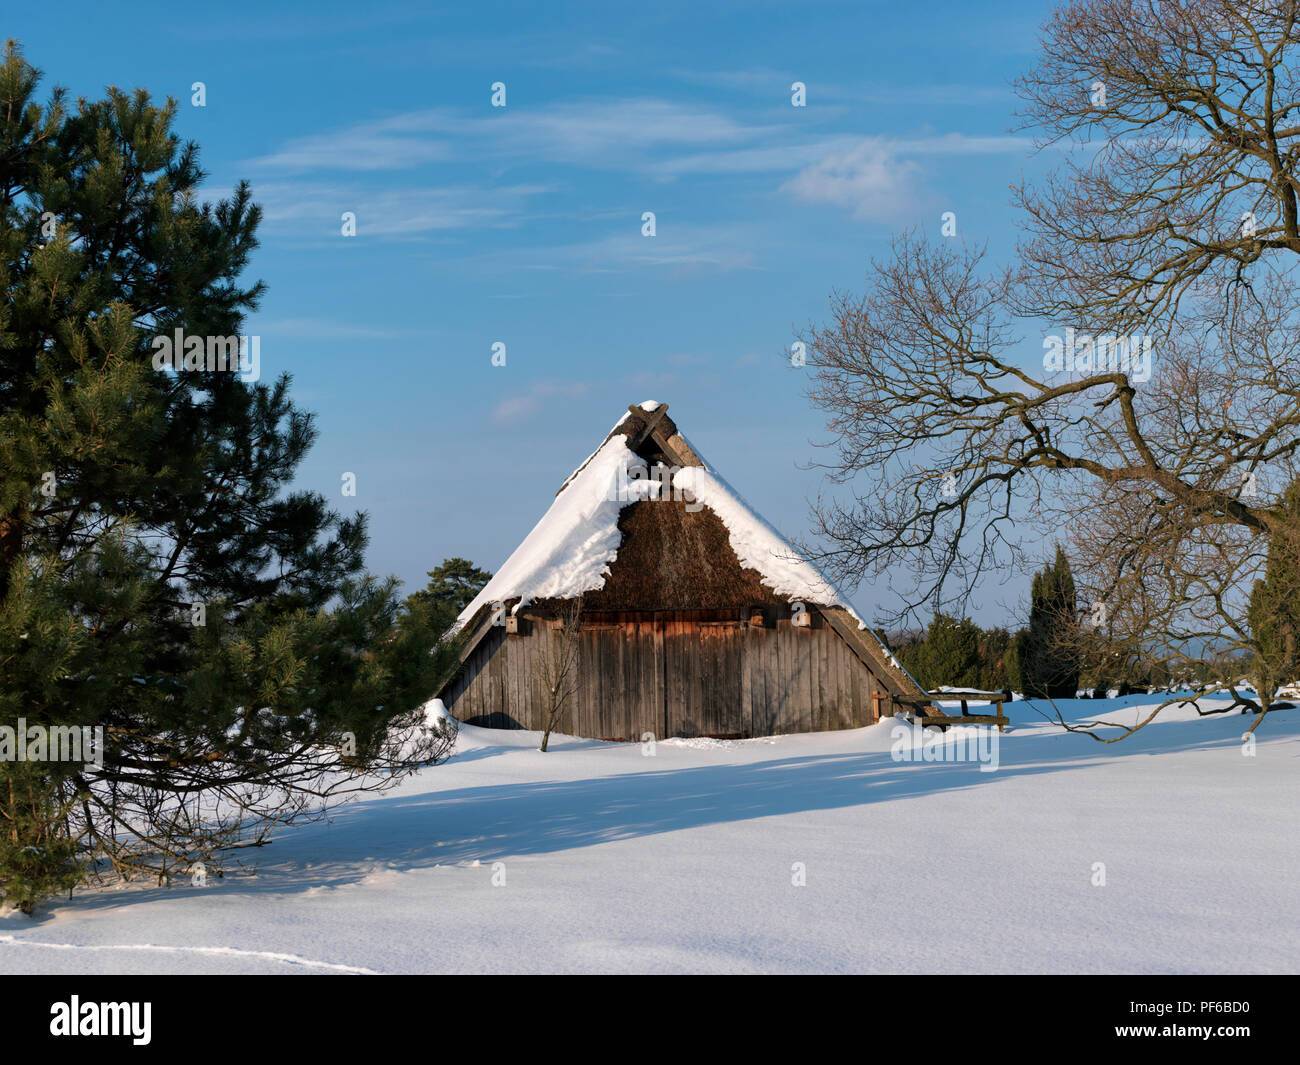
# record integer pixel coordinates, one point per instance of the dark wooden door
(703, 676)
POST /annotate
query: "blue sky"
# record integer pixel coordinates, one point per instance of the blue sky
(522, 225)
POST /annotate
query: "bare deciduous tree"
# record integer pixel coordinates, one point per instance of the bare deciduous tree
(1131, 383)
(557, 665)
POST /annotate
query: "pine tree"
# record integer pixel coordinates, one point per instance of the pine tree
(158, 577)
(1274, 610)
(950, 653)
(909, 648)
(37, 854)
(1011, 659)
(994, 645)
(429, 613)
(452, 587)
(1050, 654)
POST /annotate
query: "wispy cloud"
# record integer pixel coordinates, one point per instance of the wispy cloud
(684, 249)
(774, 86)
(525, 404)
(315, 178)
(602, 133)
(776, 158)
(387, 144)
(400, 212)
(755, 79)
(330, 329)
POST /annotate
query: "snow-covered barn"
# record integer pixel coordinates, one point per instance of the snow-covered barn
(697, 617)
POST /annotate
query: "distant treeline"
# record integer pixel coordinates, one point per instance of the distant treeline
(1048, 658)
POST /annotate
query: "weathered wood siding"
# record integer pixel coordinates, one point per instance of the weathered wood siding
(674, 673)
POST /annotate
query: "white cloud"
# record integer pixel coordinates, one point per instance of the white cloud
(526, 404)
(401, 212)
(876, 178)
(870, 179)
(602, 133)
(758, 159)
(396, 143)
(685, 248)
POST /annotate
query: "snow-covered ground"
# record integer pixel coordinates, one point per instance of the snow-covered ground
(596, 857)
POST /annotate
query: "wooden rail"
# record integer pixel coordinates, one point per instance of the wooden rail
(936, 715)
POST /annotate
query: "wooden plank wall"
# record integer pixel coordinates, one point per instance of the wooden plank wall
(673, 673)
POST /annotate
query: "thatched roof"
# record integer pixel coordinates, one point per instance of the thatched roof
(646, 491)
(673, 558)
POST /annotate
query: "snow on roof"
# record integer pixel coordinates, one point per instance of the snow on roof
(570, 550)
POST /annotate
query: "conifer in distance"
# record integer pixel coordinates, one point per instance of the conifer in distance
(1049, 656)
(1274, 609)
